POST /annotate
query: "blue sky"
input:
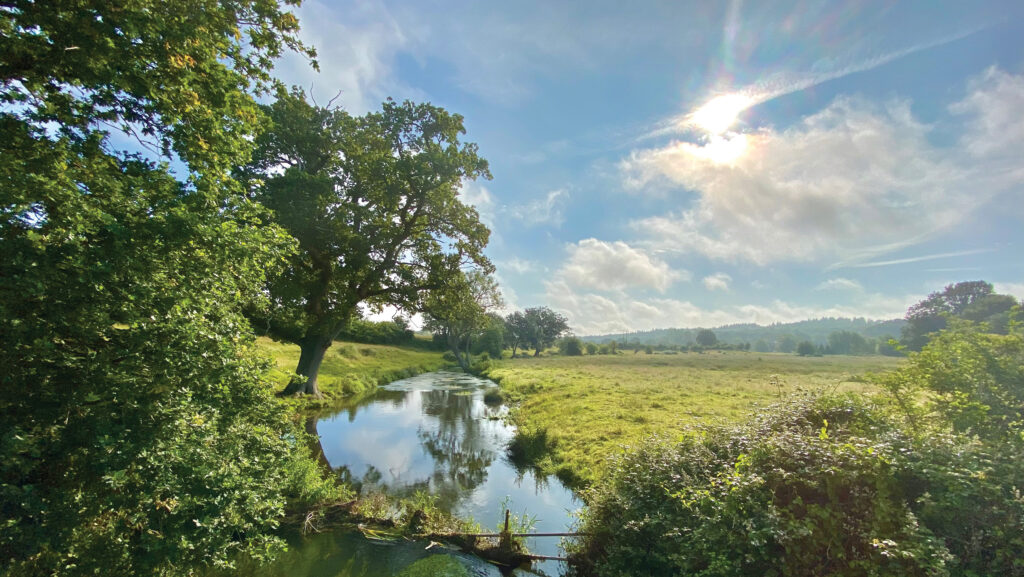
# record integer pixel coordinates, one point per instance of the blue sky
(682, 164)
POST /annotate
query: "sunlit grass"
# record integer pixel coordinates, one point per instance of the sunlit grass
(576, 412)
(353, 368)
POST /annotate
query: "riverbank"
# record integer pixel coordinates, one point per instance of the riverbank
(575, 413)
(353, 369)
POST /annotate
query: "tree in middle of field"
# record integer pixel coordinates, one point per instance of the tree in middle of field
(373, 203)
(538, 327)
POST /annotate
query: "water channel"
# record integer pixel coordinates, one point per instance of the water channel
(429, 433)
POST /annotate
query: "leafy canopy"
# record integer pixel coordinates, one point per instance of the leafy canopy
(373, 203)
(138, 434)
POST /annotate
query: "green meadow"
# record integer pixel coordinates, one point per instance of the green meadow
(353, 368)
(573, 413)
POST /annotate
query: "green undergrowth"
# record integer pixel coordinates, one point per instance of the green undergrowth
(353, 369)
(574, 413)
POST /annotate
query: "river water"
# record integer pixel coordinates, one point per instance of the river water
(430, 433)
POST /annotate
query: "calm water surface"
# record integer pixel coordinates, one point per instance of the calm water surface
(429, 433)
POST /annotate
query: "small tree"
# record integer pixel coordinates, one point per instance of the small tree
(570, 346)
(706, 338)
(806, 349)
(459, 310)
(517, 331)
(544, 326)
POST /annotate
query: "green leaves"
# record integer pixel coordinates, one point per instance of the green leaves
(132, 400)
(373, 204)
(813, 486)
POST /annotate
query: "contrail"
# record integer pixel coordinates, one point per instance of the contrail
(918, 258)
(783, 84)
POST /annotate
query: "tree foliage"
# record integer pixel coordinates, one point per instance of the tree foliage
(373, 204)
(544, 326)
(848, 343)
(570, 346)
(138, 435)
(706, 338)
(971, 300)
(459, 311)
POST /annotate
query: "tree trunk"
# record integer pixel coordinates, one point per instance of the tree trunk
(311, 356)
(453, 346)
(314, 441)
(536, 351)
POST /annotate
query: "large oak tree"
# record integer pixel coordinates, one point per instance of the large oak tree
(373, 202)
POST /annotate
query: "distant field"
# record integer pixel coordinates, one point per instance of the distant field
(353, 368)
(575, 412)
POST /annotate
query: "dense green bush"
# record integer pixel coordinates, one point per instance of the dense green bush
(826, 486)
(570, 346)
(377, 333)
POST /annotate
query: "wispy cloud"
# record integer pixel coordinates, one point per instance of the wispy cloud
(717, 282)
(913, 259)
(547, 210)
(840, 284)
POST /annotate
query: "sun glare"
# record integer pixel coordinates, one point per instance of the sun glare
(720, 112)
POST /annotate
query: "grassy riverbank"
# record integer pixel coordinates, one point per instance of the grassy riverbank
(354, 368)
(574, 413)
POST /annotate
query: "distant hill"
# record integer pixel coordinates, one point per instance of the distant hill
(815, 331)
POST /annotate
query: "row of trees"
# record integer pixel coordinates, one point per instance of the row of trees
(465, 321)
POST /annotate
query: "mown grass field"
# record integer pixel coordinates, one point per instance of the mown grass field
(354, 368)
(574, 413)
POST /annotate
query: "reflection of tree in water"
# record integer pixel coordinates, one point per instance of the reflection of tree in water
(371, 478)
(454, 433)
(458, 446)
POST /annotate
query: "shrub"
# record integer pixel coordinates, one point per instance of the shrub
(814, 486)
(570, 346)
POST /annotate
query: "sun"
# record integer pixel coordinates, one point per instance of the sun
(720, 112)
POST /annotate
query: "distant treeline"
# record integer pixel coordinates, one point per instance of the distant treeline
(777, 337)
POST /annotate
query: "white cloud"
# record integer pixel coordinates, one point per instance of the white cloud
(995, 129)
(547, 210)
(591, 314)
(1010, 288)
(518, 265)
(606, 266)
(839, 284)
(849, 183)
(717, 282)
(476, 195)
(356, 48)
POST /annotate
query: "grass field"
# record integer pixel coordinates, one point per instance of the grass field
(353, 368)
(575, 412)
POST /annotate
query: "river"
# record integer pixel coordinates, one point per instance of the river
(430, 433)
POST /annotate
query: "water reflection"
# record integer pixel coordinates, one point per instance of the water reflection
(434, 433)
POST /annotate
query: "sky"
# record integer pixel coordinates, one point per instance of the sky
(686, 164)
